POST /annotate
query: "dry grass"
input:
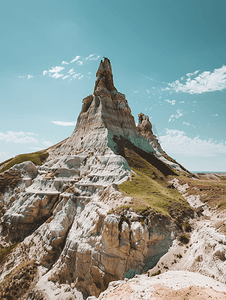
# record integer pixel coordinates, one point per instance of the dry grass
(211, 192)
(37, 158)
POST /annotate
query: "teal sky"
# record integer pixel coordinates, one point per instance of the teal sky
(168, 58)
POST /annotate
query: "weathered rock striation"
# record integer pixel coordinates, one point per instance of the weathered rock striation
(65, 224)
(104, 114)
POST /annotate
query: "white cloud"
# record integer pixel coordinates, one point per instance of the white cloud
(178, 143)
(64, 62)
(187, 124)
(44, 72)
(57, 75)
(88, 57)
(61, 123)
(66, 76)
(176, 116)
(135, 92)
(181, 102)
(18, 137)
(216, 115)
(80, 62)
(80, 77)
(47, 143)
(91, 57)
(56, 69)
(75, 59)
(76, 75)
(21, 76)
(173, 102)
(191, 74)
(71, 71)
(29, 76)
(204, 82)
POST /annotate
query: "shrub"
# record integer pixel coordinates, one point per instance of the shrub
(184, 238)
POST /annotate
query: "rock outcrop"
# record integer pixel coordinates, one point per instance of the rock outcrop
(65, 225)
(145, 128)
(168, 286)
(104, 114)
(62, 212)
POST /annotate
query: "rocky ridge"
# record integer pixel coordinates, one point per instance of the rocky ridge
(76, 231)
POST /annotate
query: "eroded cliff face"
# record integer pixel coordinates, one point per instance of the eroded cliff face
(61, 213)
(144, 127)
(104, 114)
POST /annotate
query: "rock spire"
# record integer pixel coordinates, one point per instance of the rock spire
(105, 117)
(104, 76)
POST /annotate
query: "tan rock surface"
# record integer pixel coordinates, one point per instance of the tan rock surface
(61, 212)
(168, 286)
(104, 114)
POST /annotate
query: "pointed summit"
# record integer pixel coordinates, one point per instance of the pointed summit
(106, 124)
(105, 118)
(104, 76)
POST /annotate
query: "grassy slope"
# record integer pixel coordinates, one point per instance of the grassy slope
(37, 158)
(149, 189)
(211, 192)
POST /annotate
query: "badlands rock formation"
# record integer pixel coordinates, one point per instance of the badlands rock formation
(67, 230)
(105, 114)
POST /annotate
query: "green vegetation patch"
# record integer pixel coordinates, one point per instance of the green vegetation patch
(37, 158)
(148, 187)
(221, 205)
(6, 251)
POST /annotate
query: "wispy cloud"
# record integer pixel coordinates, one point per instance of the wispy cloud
(56, 69)
(173, 102)
(92, 57)
(54, 72)
(57, 75)
(75, 59)
(71, 71)
(177, 115)
(186, 123)
(18, 137)
(21, 137)
(61, 123)
(204, 82)
(151, 78)
(27, 76)
(191, 74)
(47, 143)
(76, 75)
(177, 142)
(59, 71)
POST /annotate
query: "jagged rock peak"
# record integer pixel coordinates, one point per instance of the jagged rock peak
(104, 76)
(105, 119)
(145, 128)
